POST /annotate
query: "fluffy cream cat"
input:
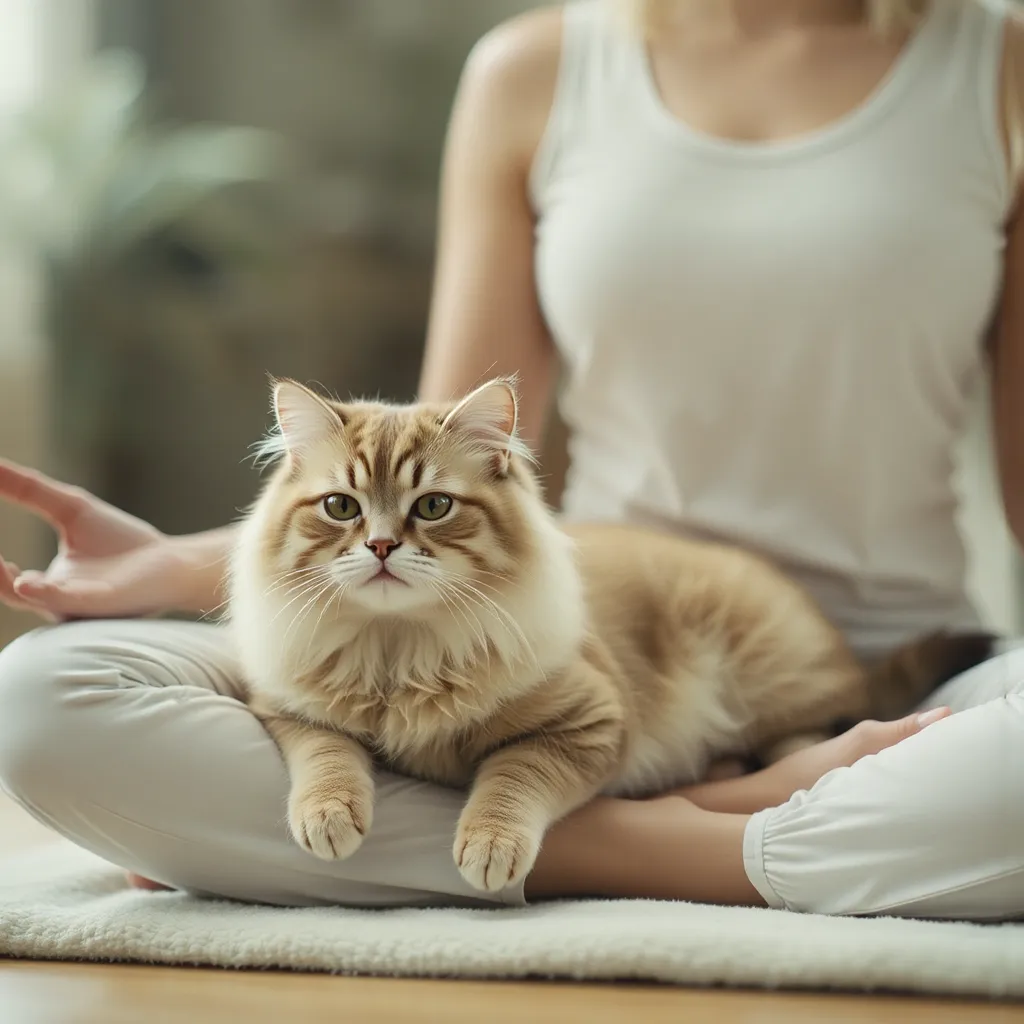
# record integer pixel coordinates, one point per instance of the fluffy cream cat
(401, 592)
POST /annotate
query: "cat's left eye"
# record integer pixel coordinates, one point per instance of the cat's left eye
(432, 507)
(341, 507)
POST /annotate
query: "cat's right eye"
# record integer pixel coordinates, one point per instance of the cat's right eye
(342, 507)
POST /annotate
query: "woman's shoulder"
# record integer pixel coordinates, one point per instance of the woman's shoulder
(510, 79)
(521, 46)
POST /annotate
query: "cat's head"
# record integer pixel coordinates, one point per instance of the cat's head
(398, 510)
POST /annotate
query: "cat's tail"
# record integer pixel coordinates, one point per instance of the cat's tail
(899, 682)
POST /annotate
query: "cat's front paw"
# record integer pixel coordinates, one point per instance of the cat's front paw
(492, 855)
(331, 824)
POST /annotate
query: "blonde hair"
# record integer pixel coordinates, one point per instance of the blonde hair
(887, 17)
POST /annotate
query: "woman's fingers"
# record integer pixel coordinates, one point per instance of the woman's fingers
(8, 574)
(927, 718)
(876, 736)
(59, 504)
(69, 599)
(10, 596)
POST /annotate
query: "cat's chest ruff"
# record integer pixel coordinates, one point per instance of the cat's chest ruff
(417, 721)
(424, 733)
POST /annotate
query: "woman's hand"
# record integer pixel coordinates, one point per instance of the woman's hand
(804, 768)
(776, 784)
(109, 563)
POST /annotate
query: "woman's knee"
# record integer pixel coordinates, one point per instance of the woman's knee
(38, 673)
(1001, 676)
(961, 779)
(931, 826)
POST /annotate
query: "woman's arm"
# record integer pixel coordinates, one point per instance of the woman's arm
(775, 784)
(663, 849)
(485, 319)
(1008, 341)
(1008, 383)
(203, 561)
(688, 845)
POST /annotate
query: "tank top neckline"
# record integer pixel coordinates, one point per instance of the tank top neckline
(887, 92)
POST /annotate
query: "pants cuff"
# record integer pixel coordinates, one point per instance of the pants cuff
(753, 858)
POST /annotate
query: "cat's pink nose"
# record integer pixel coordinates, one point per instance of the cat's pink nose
(382, 546)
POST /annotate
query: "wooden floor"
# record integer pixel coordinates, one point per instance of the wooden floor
(54, 993)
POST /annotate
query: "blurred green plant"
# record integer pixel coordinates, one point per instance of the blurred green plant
(116, 205)
(88, 170)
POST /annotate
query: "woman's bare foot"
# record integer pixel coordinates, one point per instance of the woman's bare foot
(139, 882)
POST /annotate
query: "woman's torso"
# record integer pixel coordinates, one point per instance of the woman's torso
(774, 344)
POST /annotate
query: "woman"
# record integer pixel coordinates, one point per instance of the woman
(739, 231)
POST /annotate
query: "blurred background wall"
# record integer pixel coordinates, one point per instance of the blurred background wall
(361, 92)
(40, 41)
(142, 374)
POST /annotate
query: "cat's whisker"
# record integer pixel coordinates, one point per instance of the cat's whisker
(319, 589)
(298, 586)
(466, 602)
(287, 574)
(297, 571)
(305, 587)
(320, 618)
(207, 616)
(337, 595)
(505, 618)
(511, 628)
(284, 579)
(459, 615)
(477, 582)
(303, 612)
(466, 614)
(295, 588)
(452, 591)
(504, 577)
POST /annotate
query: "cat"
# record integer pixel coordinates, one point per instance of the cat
(401, 592)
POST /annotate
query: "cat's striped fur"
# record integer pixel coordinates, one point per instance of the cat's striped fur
(490, 648)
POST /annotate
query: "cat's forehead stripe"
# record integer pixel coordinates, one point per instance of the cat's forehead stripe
(359, 472)
(382, 452)
(407, 462)
(388, 449)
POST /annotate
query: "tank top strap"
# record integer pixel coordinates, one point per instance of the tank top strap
(978, 42)
(971, 55)
(597, 75)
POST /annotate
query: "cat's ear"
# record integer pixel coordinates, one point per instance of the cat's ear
(488, 418)
(303, 417)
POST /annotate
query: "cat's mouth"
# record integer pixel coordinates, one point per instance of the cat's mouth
(385, 576)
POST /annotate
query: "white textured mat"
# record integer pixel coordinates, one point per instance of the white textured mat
(62, 903)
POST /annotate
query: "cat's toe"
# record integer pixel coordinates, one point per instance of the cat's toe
(491, 858)
(332, 827)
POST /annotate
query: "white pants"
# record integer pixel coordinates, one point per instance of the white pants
(127, 738)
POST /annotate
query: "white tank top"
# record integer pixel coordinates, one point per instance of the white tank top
(774, 344)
